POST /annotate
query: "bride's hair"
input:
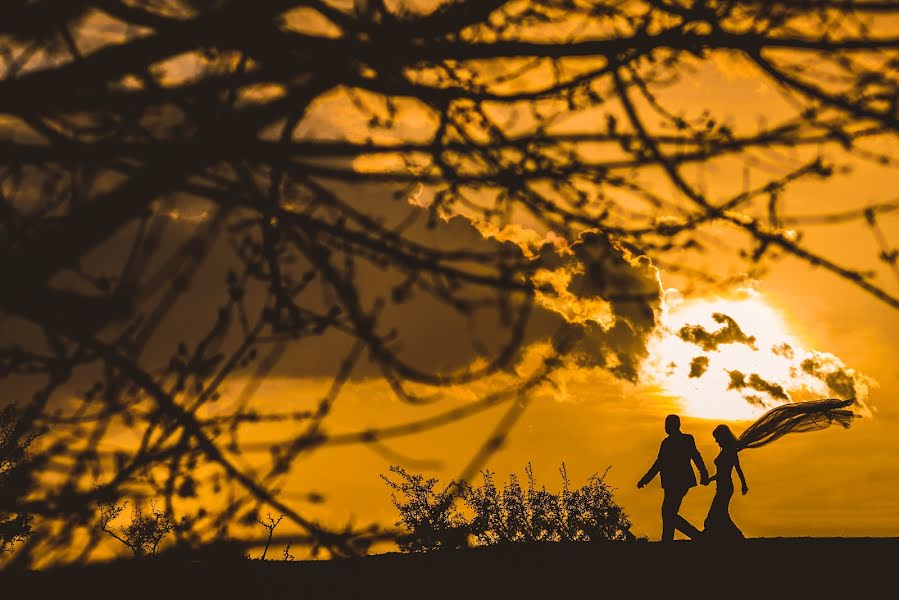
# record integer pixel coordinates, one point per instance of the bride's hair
(724, 436)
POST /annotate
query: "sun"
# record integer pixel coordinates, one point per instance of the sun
(703, 378)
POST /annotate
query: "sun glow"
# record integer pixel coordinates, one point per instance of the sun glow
(719, 371)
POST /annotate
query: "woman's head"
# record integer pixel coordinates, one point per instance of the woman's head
(725, 437)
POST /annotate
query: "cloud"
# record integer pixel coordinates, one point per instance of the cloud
(729, 334)
(755, 400)
(738, 381)
(842, 382)
(611, 298)
(698, 366)
(783, 349)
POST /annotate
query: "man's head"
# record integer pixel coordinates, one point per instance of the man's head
(672, 424)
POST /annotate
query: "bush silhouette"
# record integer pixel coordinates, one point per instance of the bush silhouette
(432, 518)
(143, 534)
(16, 479)
(463, 515)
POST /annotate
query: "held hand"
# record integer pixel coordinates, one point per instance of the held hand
(705, 480)
(641, 484)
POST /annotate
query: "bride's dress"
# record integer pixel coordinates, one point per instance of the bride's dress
(718, 524)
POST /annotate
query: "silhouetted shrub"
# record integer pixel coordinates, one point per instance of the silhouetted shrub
(143, 534)
(16, 477)
(431, 517)
(437, 520)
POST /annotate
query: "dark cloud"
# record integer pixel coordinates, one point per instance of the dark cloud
(602, 268)
(839, 381)
(430, 335)
(756, 400)
(773, 389)
(738, 381)
(698, 366)
(425, 333)
(708, 341)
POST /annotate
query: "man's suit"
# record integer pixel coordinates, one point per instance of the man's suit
(675, 454)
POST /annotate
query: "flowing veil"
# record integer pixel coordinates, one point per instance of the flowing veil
(796, 418)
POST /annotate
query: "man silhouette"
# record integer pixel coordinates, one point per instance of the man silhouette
(675, 454)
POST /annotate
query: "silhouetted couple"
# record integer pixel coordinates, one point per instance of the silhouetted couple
(676, 454)
(678, 451)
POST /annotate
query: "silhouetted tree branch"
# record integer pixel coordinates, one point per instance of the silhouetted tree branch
(192, 189)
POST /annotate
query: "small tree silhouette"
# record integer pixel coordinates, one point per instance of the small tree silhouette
(286, 555)
(270, 525)
(145, 531)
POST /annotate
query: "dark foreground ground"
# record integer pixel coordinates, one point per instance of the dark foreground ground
(760, 568)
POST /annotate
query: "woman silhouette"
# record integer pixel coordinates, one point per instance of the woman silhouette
(774, 424)
(718, 524)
